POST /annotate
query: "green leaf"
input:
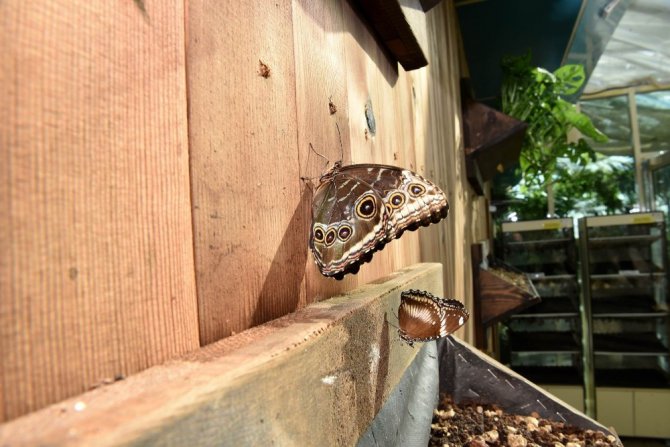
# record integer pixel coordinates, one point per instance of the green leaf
(570, 78)
(532, 94)
(542, 75)
(580, 121)
(516, 64)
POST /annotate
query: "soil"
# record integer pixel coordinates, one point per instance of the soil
(473, 425)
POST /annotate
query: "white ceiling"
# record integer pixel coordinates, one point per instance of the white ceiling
(638, 52)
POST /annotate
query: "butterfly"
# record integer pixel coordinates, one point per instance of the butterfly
(424, 317)
(358, 209)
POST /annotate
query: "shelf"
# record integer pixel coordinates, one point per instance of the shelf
(542, 226)
(559, 375)
(622, 290)
(620, 275)
(540, 243)
(631, 315)
(623, 293)
(527, 314)
(623, 305)
(546, 342)
(630, 220)
(608, 268)
(547, 267)
(559, 293)
(554, 306)
(543, 277)
(645, 343)
(609, 241)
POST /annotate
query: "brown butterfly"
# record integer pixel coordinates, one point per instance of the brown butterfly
(358, 209)
(424, 317)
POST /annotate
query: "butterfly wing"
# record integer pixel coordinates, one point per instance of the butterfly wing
(348, 225)
(453, 315)
(411, 201)
(400, 200)
(418, 317)
(424, 317)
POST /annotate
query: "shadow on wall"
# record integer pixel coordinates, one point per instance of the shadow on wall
(281, 290)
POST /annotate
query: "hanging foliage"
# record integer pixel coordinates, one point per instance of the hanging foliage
(533, 95)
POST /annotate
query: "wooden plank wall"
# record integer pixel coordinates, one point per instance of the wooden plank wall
(150, 161)
(96, 252)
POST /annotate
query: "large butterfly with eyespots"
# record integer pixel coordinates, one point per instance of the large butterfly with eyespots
(358, 209)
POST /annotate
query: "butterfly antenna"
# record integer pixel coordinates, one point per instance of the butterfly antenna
(320, 155)
(304, 179)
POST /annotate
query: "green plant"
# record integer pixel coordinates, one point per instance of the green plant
(533, 95)
(605, 186)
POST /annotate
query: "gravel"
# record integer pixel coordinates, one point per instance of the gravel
(474, 425)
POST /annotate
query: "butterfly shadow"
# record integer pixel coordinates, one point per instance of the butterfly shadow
(383, 368)
(281, 289)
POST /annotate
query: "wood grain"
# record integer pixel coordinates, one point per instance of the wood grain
(320, 77)
(96, 268)
(316, 377)
(250, 273)
(115, 210)
(400, 27)
(501, 296)
(250, 208)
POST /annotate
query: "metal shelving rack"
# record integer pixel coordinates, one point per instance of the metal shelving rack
(543, 342)
(624, 284)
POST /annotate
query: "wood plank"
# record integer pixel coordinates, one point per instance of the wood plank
(503, 292)
(316, 377)
(250, 209)
(330, 66)
(320, 77)
(96, 269)
(492, 142)
(400, 27)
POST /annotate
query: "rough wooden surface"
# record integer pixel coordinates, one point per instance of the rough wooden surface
(250, 209)
(109, 228)
(500, 297)
(316, 377)
(400, 27)
(320, 79)
(246, 172)
(96, 269)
